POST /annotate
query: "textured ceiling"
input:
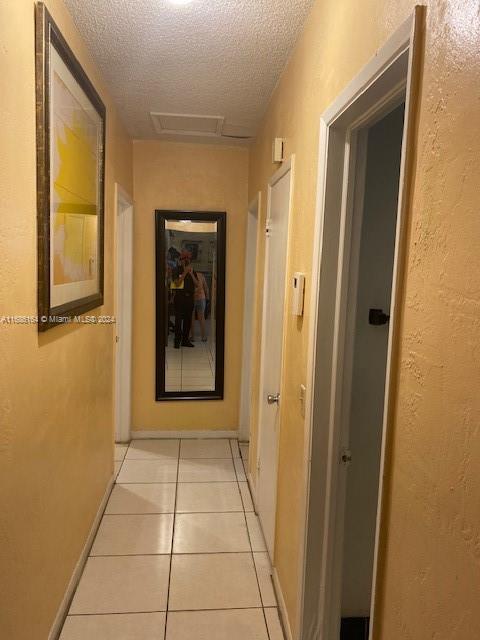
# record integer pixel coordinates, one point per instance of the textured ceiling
(211, 57)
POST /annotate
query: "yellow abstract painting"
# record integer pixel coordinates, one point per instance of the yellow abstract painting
(74, 180)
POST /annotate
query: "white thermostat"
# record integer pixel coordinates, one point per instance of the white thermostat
(298, 293)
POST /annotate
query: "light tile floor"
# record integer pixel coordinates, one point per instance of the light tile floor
(179, 554)
(190, 368)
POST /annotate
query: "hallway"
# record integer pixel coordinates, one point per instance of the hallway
(224, 167)
(179, 553)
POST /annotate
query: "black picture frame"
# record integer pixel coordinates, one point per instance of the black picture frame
(48, 34)
(220, 217)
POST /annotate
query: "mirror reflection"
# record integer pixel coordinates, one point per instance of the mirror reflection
(191, 266)
(190, 249)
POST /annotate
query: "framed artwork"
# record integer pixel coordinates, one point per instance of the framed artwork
(71, 124)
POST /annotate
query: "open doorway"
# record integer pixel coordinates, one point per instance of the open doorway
(248, 317)
(365, 149)
(372, 253)
(123, 313)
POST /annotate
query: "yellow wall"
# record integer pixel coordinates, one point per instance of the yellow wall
(431, 560)
(56, 404)
(171, 175)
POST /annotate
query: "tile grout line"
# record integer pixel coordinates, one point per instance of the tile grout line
(169, 513)
(171, 548)
(252, 553)
(236, 479)
(184, 553)
(181, 368)
(154, 458)
(133, 613)
(188, 482)
(115, 613)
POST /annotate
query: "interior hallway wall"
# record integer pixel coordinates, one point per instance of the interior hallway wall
(56, 423)
(172, 175)
(430, 561)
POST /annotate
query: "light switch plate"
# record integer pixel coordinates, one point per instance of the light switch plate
(278, 150)
(298, 285)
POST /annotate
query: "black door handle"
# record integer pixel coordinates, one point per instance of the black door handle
(377, 317)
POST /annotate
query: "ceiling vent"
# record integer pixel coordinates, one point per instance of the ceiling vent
(179, 124)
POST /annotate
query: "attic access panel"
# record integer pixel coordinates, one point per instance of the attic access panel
(187, 124)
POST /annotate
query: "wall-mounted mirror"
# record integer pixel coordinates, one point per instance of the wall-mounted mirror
(190, 322)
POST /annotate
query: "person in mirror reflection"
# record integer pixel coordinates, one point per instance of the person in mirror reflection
(184, 284)
(173, 257)
(200, 302)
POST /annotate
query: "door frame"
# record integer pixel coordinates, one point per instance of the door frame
(123, 312)
(287, 166)
(251, 272)
(395, 64)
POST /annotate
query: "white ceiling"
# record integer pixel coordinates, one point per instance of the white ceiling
(211, 57)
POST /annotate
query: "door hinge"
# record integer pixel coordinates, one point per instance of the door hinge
(267, 228)
(117, 338)
(346, 457)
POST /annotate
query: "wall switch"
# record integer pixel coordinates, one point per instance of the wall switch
(278, 150)
(298, 284)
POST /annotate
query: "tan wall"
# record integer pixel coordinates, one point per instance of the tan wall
(171, 175)
(56, 401)
(429, 585)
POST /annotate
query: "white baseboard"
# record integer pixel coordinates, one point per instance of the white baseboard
(252, 491)
(281, 606)
(77, 572)
(141, 435)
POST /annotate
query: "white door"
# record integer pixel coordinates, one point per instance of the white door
(123, 316)
(272, 348)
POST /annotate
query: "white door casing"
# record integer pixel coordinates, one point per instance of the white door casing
(123, 313)
(273, 336)
(394, 68)
(248, 316)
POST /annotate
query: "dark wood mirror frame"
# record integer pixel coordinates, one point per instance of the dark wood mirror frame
(161, 216)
